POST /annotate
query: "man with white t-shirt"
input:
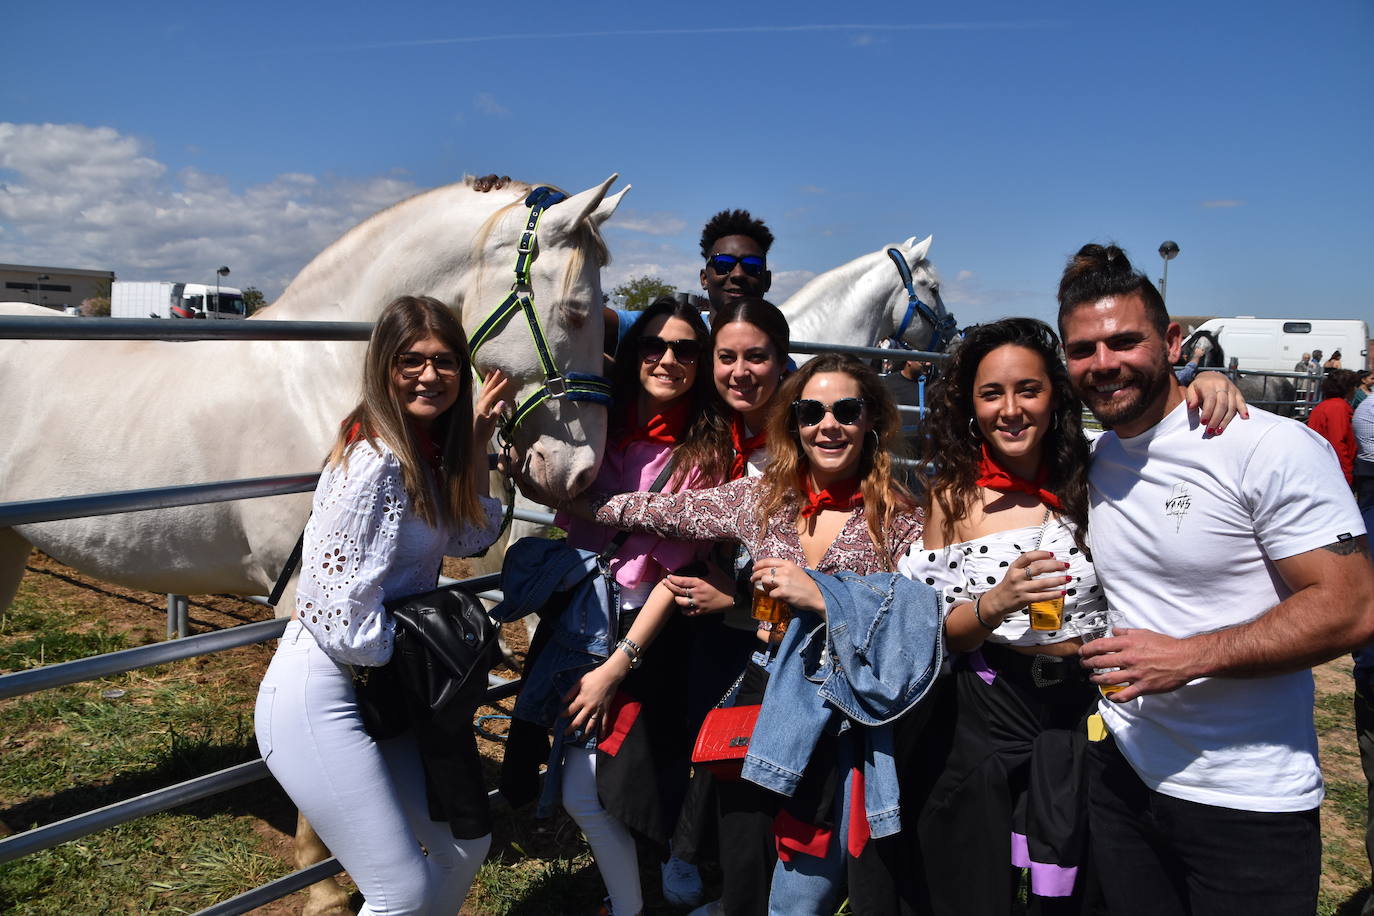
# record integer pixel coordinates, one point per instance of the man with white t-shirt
(1235, 563)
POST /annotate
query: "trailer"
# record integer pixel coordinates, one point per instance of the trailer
(163, 299)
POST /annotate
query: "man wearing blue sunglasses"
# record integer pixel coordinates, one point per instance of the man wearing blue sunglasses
(735, 246)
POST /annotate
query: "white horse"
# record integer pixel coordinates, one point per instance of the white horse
(93, 416)
(864, 301)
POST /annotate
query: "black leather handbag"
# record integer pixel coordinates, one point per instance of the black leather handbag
(441, 655)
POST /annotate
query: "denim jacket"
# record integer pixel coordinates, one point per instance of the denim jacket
(534, 571)
(872, 659)
(584, 635)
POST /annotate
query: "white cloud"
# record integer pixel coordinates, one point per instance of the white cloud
(1214, 204)
(486, 103)
(787, 282)
(967, 290)
(863, 40)
(657, 223)
(811, 189)
(90, 197)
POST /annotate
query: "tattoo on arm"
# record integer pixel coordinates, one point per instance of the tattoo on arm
(1347, 546)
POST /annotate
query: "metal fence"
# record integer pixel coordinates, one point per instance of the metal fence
(42, 510)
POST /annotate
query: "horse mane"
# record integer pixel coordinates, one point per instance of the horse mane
(329, 261)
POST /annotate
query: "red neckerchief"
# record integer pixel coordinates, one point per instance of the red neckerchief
(995, 477)
(665, 428)
(424, 441)
(842, 494)
(744, 445)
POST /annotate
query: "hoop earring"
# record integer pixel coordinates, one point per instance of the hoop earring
(973, 433)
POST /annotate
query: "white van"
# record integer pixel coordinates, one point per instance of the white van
(1277, 344)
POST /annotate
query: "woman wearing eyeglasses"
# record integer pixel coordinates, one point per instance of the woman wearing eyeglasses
(658, 422)
(404, 485)
(827, 500)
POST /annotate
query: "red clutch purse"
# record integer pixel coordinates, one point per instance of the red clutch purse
(724, 740)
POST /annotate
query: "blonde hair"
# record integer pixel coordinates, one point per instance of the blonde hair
(784, 477)
(452, 498)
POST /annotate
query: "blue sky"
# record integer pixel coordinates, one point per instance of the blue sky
(163, 139)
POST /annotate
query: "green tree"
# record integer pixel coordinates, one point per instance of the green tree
(253, 299)
(96, 307)
(640, 291)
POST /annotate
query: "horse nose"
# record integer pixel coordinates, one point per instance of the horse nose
(583, 479)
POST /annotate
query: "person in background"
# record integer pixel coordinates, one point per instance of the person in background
(405, 486)
(735, 246)
(906, 384)
(1331, 418)
(1362, 390)
(1362, 424)
(1333, 363)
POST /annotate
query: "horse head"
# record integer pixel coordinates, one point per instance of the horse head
(558, 422)
(915, 315)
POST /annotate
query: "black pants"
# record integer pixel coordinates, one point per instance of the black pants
(1013, 777)
(1364, 730)
(1160, 856)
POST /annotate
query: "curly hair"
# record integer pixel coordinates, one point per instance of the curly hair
(735, 222)
(784, 477)
(1098, 271)
(380, 414)
(625, 386)
(950, 442)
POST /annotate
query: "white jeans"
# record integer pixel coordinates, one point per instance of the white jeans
(366, 799)
(612, 845)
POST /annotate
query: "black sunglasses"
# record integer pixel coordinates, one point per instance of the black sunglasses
(685, 351)
(722, 264)
(846, 411)
(412, 364)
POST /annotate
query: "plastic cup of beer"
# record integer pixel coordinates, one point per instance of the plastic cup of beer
(1047, 615)
(768, 609)
(1099, 626)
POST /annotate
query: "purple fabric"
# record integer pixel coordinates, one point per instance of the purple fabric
(979, 666)
(1046, 880)
(644, 557)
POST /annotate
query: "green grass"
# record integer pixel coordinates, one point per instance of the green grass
(90, 744)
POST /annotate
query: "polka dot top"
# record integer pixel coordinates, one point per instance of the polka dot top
(961, 572)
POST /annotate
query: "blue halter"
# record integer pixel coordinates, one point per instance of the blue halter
(942, 325)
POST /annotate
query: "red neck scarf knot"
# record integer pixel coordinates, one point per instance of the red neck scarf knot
(665, 428)
(745, 446)
(996, 477)
(842, 494)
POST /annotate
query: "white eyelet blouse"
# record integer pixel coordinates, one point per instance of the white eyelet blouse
(961, 572)
(363, 546)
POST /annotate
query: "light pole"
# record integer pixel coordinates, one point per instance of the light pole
(1168, 251)
(38, 287)
(222, 272)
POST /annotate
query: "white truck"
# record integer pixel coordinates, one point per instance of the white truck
(1277, 344)
(160, 299)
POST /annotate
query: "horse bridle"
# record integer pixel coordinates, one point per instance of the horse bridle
(942, 329)
(558, 386)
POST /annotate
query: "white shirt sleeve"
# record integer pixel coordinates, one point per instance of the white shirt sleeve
(467, 541)
(349, 544)
(942, 569)
(1297, 494)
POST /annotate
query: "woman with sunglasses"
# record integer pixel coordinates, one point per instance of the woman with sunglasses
(404, 486)
(658, 424)
(827, 500)
(1006, 518)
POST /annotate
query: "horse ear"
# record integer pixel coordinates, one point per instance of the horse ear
(577, 209)
(607, 207)
(920, 250)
